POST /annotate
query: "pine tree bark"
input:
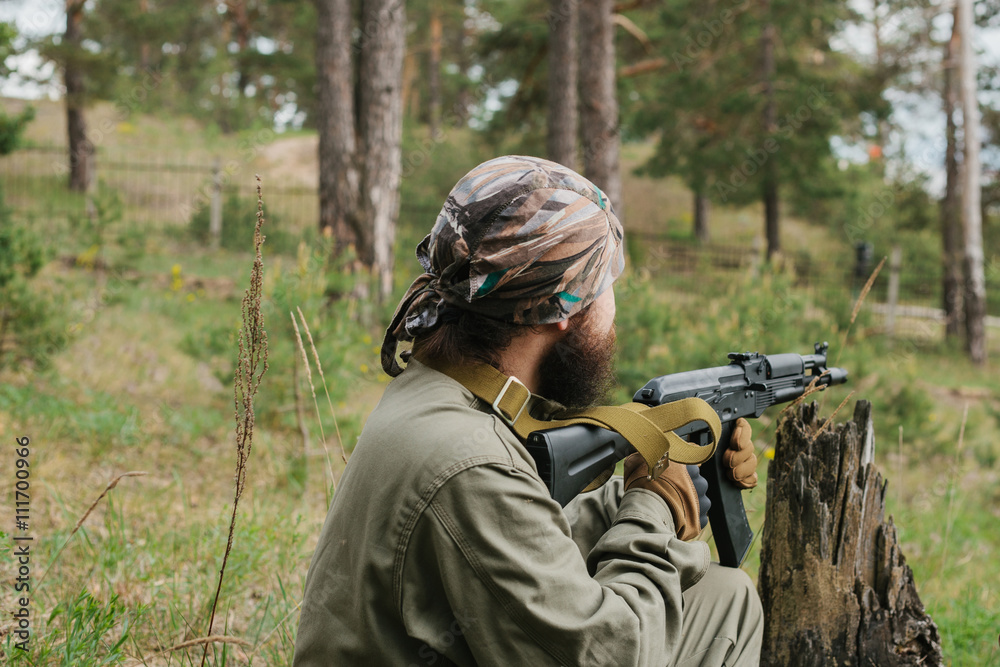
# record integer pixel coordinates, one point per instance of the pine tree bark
(562, 97)
(701, 207)
(974, 298)
(380, 115)
(951, 222)
(833, 582)
(769, 188)
(434, 73)
(339, 180)
(80, 149)
(599, 101)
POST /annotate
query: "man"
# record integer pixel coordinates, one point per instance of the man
(442, 545)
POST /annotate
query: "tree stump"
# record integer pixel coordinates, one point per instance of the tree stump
(835, 587)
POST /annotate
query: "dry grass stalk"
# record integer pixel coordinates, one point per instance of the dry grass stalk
(830, 418)
(857, 307)
(279, 626)
(810, 389)
(251, 365)
(312, 388)
(214, 639)
(951, 490)
(319, 367)
(112, 484)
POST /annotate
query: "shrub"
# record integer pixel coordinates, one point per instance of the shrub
(30, 330)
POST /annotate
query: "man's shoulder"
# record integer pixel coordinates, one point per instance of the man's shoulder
(424, 415)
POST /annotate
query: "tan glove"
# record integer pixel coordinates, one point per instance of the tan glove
(674, 485)
(740, 459)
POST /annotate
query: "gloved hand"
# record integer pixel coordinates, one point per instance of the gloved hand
(675, 486)
(701, 486)
(740, 459)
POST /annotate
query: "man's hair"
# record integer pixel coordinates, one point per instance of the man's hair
(466, 337)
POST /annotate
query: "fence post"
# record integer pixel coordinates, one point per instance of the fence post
(91, 157)
(215, 210)
(895, 263)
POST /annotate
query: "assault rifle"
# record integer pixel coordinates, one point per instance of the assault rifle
(570, 457)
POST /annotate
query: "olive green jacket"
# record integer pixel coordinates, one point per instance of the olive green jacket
(442, 546)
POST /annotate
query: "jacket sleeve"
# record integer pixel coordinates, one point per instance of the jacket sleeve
(591, 514)
(523, 593)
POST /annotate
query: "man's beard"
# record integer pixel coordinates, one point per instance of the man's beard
(579, 369)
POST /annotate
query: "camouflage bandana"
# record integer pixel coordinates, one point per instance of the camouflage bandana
(519, 239)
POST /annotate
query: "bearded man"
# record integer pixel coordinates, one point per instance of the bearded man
(443, 545)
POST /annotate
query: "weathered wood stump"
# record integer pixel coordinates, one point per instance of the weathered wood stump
(835, 587)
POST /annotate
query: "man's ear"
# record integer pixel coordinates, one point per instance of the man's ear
(562, 325)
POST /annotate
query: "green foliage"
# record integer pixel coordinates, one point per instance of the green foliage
(11, 127)
(21, 252)
(91, 228)
(665, 331)
(231, 65)
(82, 631)
(340, 324)
(30, 328)
(708, 110)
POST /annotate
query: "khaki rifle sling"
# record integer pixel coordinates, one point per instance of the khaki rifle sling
(647, 429)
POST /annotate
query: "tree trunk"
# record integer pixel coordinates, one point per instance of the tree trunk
(974, 300)
(145, 64)
(383, 43)
(599, 109)
(951, 221)
(237, 10)
(701, 216)
(434, 75)
(835, 588)
(338, 177)
(562, 121)
(80, 149)
(463, 50)
(769, 189)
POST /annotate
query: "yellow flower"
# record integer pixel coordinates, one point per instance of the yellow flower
(175, 270)
(364, 368)
(769, 454)
(190, 297)
(366, 339)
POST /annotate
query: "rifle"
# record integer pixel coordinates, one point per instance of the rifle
(570, 457)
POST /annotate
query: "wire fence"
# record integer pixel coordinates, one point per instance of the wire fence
(158, 191)
(155, 190)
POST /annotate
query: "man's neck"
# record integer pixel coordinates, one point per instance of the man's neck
(523, 357)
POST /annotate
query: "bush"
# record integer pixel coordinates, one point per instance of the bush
(29, 327)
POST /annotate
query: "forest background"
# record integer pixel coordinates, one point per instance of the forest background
(767, 154)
